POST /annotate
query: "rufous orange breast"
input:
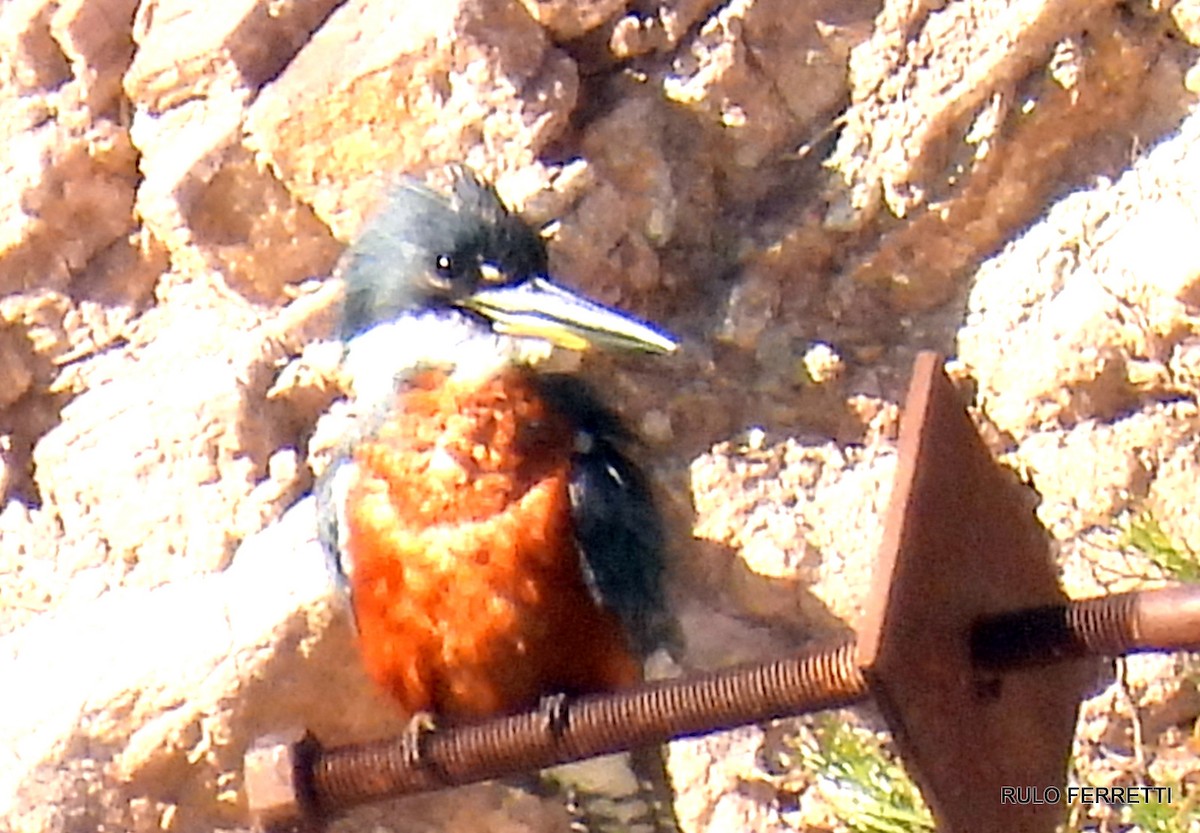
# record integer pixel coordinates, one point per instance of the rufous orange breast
(467, 585)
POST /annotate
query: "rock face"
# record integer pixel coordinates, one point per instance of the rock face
(807, 192)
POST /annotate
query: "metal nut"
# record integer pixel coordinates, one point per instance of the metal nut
(271, 772)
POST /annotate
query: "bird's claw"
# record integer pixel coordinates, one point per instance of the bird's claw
(419, 725)
(555, 709)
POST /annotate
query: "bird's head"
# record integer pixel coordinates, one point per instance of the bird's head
(464, 253)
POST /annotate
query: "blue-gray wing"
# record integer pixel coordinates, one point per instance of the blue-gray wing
(329, 491)
(618, 530)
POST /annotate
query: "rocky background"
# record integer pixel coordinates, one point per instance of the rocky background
(806, 192)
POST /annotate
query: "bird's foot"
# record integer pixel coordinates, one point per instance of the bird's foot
(555, 709)
(412, 740)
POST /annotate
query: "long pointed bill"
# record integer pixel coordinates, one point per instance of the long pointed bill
(540, 308)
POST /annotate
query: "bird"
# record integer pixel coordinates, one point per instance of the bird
(499, 545)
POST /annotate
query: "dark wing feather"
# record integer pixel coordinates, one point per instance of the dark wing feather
(617, 527)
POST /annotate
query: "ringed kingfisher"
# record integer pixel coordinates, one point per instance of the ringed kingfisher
(499, 546)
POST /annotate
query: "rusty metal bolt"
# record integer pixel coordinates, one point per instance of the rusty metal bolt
(924, 649)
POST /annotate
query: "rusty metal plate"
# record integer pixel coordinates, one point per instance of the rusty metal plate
(960, 542)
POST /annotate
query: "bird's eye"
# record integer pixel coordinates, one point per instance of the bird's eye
(444, 273)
